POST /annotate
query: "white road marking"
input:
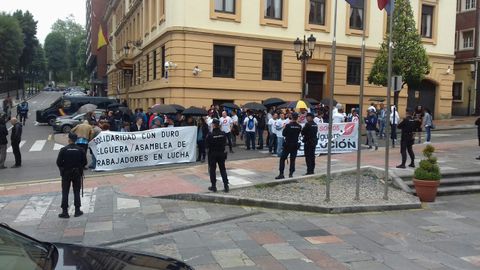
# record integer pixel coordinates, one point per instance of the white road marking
(236, 181)
(35, 208)
(57, 147)
(50, 137)
(123, 203)
(38, 146)
(241, 172)
(10, 150)
(87, 201)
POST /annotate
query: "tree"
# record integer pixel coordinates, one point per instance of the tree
(39, 63)
(68, 27)
(29, 29)
(56, 54)
(410, 58)
(11, 42)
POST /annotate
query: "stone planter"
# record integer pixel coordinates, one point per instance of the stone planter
(426, 189)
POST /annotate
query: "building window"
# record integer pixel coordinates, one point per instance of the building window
(148, 67)
(353, 70)
(469, 4)
(356, 18)
(223, 61)
(317, 12)
(467, 39)
(154, 60)
(139, 75)
(273, 9)
(163, 61)
(272, 65)
(226, 6)
(427, 21)
(134, 74)
(457, 91)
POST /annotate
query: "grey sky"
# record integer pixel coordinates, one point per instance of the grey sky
(46, 12)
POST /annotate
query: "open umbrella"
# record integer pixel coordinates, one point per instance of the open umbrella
(163, 109)
(326, 101)
(255, 106)
(378, 99)
(123, 109)
(87, 108)
(177, 107)
(312, 101)
(195, 111)
(230, 105)
(302, 104)
(269, 102)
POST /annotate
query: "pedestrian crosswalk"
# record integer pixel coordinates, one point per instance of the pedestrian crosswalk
(37, 146)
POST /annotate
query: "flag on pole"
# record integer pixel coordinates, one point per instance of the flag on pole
(102, 41)
(387, 5)
(356, 3)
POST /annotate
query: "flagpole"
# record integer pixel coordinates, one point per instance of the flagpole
(389, 90)
(360, 106)
(330, 106)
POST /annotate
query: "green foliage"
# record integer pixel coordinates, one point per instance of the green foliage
(428, 169)
(56, 53)
(29, 29)
(11, 42)
(410, 58)
(39, 63)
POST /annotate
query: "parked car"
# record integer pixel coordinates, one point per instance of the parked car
(70, 105)
(20, 251)
(66, 123)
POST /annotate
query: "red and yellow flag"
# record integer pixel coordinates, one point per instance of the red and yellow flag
(102, 41)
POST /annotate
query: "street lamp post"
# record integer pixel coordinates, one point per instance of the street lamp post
(304, 51)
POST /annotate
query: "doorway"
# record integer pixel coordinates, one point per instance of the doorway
(315, 84)
(424, 95)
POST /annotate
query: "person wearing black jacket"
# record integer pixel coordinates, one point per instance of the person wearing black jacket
(408, 126)
(478, 133)
(3, 142)
(310, 140)
(290, 133)
(216, 141)
(261, 128)
(15, 139)
(202, 132)
(138, 126)
(70, 161)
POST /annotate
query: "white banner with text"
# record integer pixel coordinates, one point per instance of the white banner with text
(345, 138)
(120, 150)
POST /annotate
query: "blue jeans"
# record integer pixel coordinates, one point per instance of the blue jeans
(250, 140)
(280, 141)
(260, 137)
(272, 144)
(428, 130)
(381, 124)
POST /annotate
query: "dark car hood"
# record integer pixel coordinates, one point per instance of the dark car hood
(71, 256)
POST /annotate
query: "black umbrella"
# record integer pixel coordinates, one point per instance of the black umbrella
(195, 111)
(269, 102)
(177, 107)
(378, 99)
(326, 101)
(123, 109)
(312, 101)
(163, 109)
(255, 106)
(230, 105)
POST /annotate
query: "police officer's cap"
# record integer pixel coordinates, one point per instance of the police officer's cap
(73, 137)
(295, 115)
(310, 114)
(216, 121)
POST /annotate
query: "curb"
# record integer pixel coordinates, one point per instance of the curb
(282, 205)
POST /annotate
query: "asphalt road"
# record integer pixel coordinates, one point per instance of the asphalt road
(40, 149)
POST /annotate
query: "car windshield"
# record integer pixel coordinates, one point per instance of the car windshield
(19, 252)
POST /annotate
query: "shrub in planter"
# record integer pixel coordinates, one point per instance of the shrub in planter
(427, 176)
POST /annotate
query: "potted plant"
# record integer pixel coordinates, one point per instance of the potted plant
(427, 176)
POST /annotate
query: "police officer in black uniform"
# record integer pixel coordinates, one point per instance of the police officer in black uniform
(71, 161)
(310, 140)
(216, 141)
(290, 133)
(408, 126)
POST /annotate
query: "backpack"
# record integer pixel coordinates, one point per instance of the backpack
(251, 123)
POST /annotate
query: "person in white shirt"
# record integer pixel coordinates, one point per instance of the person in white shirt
(272, 143)
(226, 124)
(279, 125)
(209, 122)
(338, 117)
(394, 120)
(251, 124)
(319, 118)
(372, 107)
